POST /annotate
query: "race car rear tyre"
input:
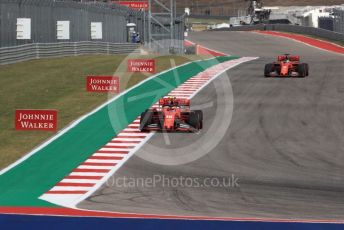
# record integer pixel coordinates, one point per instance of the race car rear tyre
(268, 69)
(195, 120)
(145, 120)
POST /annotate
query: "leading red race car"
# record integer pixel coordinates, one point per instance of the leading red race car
(173, 114)
(287, 66)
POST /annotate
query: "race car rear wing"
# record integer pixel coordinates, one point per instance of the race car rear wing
(291, 58)
(174, 102)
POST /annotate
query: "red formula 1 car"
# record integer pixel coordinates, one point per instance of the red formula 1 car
(172, 115)
(286, 66)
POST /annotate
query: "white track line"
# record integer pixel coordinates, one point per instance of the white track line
(87, 174)
(123, 144)
(70, 189)
(109, 155)
(79, 181)
(126, 139)
(103, 161)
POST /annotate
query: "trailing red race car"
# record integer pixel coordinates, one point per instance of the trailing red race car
(287, 66)
(172, 115)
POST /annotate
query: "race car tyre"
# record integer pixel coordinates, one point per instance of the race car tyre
(145, 120)
(307, 69)
(302, 70)
(268, 69)
(161, 120)
(200, 114)
(194, 120)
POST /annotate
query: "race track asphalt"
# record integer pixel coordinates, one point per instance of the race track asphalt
(285, 142)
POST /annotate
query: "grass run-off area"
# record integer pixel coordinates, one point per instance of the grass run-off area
(60, 84)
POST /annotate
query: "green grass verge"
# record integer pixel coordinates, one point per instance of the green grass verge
(57, 83)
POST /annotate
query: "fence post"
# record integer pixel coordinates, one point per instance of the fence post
(37, 50)
(75, 49)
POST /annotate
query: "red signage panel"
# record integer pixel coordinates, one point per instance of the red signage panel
(102, 84)
(137, 5)
(32, 119)
(141, 65)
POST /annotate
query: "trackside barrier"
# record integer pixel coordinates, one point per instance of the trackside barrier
(26, 52)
